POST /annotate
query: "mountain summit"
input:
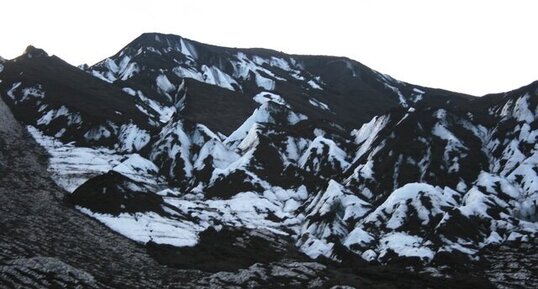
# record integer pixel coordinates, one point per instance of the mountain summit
(31, 51)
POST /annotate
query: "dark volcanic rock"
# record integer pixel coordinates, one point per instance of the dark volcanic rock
(228, 249)
(112, 193)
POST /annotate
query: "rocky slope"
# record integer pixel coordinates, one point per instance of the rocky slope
(46, 243)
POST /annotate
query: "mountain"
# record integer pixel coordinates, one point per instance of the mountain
(319, 160)
(327, 88)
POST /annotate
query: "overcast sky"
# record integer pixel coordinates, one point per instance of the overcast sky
(471, 46)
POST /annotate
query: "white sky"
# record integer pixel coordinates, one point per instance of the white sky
(471, 46)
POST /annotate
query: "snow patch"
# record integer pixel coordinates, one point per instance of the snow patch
(71, 166)
(132, 138)
(318, 103)
(265, 96)
(164, 85)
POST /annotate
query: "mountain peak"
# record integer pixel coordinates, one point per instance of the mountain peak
(157, 36)
(32, 51)
(155, 40)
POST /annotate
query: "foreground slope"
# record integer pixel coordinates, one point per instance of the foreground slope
(46, 243)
